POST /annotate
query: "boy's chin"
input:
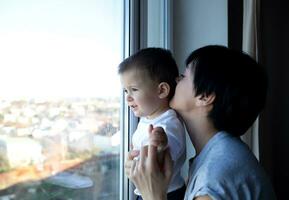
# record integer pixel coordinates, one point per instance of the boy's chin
(137, 114)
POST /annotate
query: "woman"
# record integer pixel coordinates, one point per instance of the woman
(219, 97)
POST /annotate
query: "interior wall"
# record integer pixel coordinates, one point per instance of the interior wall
(201, 22)
(197, 23)
(274, 124)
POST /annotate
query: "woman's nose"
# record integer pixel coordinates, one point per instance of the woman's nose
(180, 77)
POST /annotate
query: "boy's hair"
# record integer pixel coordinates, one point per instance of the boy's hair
(238, 82)
(158, 63)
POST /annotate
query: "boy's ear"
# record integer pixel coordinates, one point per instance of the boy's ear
(164, 90)
(205, 100)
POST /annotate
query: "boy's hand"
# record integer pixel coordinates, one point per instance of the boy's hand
(158, 138)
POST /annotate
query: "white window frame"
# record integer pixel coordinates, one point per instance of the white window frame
(128, 121)
(147, 23)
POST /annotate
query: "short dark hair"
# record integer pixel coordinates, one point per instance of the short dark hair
(157, 62)
(238, 82)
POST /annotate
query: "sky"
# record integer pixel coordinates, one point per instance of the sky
(60, 48)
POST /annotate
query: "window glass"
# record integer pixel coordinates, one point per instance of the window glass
(60, 99)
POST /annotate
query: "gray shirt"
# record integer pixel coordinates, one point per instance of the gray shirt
(227, 169)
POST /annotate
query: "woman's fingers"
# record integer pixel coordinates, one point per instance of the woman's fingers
(152, 158)
(168, 165)
(143, 155)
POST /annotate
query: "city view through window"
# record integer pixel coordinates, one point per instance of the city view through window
(60, 99)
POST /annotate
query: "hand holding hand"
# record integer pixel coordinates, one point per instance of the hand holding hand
(158, 138)
(130, 162)
(151, 179)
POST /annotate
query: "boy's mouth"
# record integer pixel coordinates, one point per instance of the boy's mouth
(133, 106)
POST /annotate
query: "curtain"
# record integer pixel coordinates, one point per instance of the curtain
(250, 46)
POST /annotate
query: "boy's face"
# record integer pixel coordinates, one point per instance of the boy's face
(141, 93)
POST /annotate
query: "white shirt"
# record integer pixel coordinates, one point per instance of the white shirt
(175, 131)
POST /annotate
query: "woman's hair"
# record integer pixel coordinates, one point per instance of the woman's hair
(238, 82)
(158, 63)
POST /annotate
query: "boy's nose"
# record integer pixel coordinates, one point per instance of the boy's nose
(128, 98)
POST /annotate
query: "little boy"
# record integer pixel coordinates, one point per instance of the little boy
(149, 80)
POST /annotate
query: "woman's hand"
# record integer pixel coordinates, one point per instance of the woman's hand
(151, 179)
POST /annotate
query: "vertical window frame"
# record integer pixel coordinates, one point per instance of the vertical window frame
(135, 35)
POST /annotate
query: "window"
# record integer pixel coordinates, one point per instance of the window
(60, 99)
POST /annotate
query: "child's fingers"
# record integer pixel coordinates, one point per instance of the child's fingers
(155, 142)
(132, 154)
(158, 137)
(159, 132)
(158, 129)
(128, 165)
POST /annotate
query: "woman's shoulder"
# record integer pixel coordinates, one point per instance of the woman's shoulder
(225, 145)
(227, 155)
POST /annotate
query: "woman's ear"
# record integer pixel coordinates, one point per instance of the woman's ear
(205, 100)
(164, 90)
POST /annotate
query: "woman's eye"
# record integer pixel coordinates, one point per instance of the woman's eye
(180, 77)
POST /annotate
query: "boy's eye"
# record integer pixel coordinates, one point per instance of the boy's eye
(125, 91)
(134, 89)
